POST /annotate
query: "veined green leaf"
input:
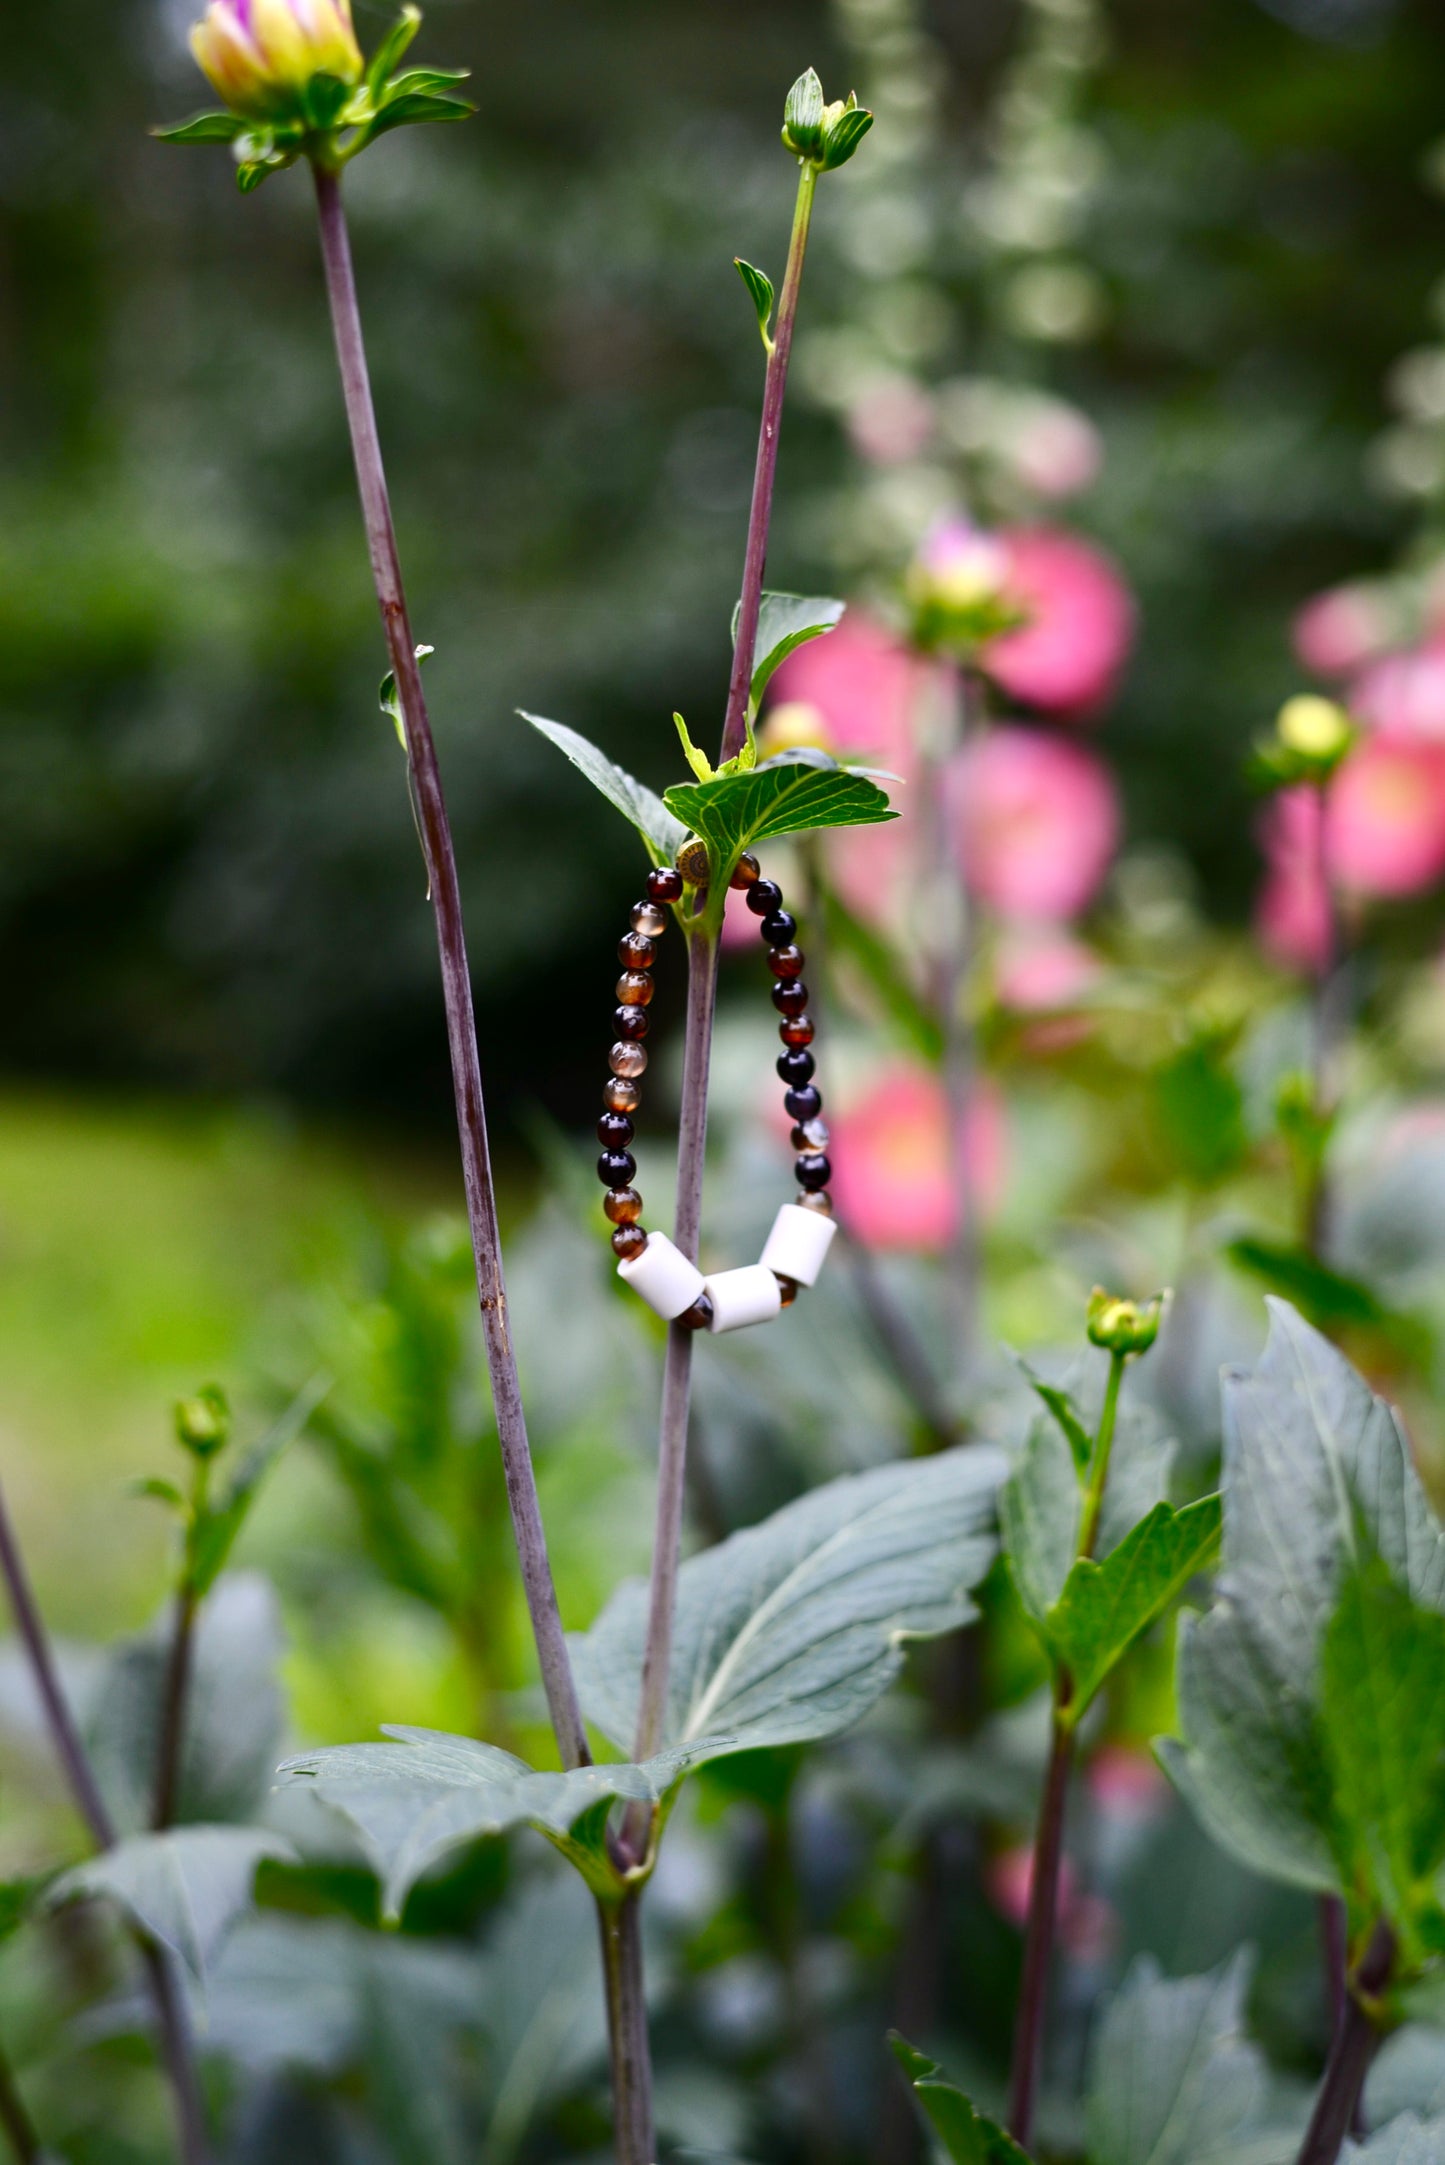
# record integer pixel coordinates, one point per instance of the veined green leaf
(392, 51)
(1066, 1413)
(1106, 1605)
(1039, 1510)
(760, 289)
(204, 128)
(425, 81)
(794, 1628)
(969, 2136)
(1327, 1297)
(185, 1888)
(785, 795)
(785, 622)
(663, 834)
(414, 107)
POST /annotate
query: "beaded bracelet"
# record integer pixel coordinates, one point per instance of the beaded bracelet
(802, 1233)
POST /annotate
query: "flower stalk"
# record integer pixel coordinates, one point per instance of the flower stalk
(1351, 2051)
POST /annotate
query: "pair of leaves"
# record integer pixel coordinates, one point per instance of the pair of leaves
(184, 1889)
(787, 1631)
(1321, 1498)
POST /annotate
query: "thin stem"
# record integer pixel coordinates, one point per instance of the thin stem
(1099, 1463)
(952, 935)
(1039, 1938)
(620, 1924)
(1355, 2039)
(178, 2050)
(766, 473)
(175, 1696)
(456, 981)
(16, 2121)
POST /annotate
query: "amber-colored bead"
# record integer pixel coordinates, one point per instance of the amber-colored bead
(786, 961)
(765, 896)
(637, 951)
(698, 1316)
(747, 871)
(811, 1135)
(628, 1061)
(628, 1241)
(630, 1021)
(635, 988)
(816, 1199)
(813, 1170)
(621, 1096)
(615, 1131)
(804, 1103)
(796, 1067)
(649, 920)
(616, 1168)
(797, 1030)
(665, 884)
(790, 996)
(788, 1287)
(780, 929)
(623, 1206)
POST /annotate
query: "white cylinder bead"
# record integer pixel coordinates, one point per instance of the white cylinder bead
(741, 1297)
(798, 1244)
(663, 1277)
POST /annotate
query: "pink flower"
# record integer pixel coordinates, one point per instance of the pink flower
(1402, 697)
(865, 687)
(892, 1167)
(1040, 969)
(1068, 657)
(1088, 1926)
(1385, 822)
(1057, 451)
(1339, 631)
(892, 420)
(1035, 820)
(1292, 914)
(1128, 1783)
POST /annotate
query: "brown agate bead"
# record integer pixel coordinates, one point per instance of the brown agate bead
(797, 1030)
(615, 1131)
(616, 1169)
(628, 1060)
(765, 896)
(796, 1067)
(786, 961)
(815, 1199)
(664, 885)
(635, 988)
(630, 1021)
(747, 871)
(779, 927)
(698, 1316)
(787, 1287)
(790, 996)
(649, 920)
(623, 1206)
(813, 1171)
(628, 1241)
(620, 1095)
(811, 1135)
(637, 951)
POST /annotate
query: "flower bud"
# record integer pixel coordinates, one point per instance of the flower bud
(204, 1422)
(957, 589)
(260, 55)
(1123, 1326)
(824, 135)
(1311, 737)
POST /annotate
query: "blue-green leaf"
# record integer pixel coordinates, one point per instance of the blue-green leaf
(663, 834)
(185, 1888)
(968, 2136)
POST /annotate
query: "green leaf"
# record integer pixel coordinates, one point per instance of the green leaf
(426, 81)
(760, 288)
(323, 99)
(154, 1490)
(416, 1800)
(786, 795)
(1408, 2140)
(204, 128)
(663, 834)
(1173, 2080)
(254, 171)
(792, 1629)
(1316, 1472)
(392, 51)
(785, 622)
(185, 1888)
(968, 2136)
(412, 109)
(1039, 1519)
(216, 1535)
(1383, 1706)
(1199, 1107)
(1407, 2074)
(1330, 1300)
(699, 762)
(1105, 1606)
(843, 138)
(1066, 1413)
(20, 1899)
(803, 114)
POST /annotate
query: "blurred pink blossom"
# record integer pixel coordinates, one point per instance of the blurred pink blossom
(1128, 1783)
(865, 686)
(1385, 821)
(1292, 914)
(1040, 970)
(1068, 658)
(1057, 451)
(1402, 697)
(739, 926)
(892, 420)
(1342, 629)
(1035, 820)
(892, 1171)
(1088, 1926)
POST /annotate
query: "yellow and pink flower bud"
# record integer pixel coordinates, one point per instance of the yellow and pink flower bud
(261, 54)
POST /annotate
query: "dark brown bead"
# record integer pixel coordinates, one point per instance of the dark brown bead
(616, 1168)
(628, 1241)
(816, 1199)
(787, 1287)
(694, 864)
(790, 996)
(664, 885)
(623, 1206)
(804, 1103)
(813, 1171)
(637, 951)
(615, 1131)
(794, 1068)
(786, 961)
(628, 1061)
(635, 988)
(621, 1096)
(630, 1021)
(797, 1030)
(698, 1316)
(649, 920)
(780, 928)
(811, 1135)
(747, 871)
(765, 896)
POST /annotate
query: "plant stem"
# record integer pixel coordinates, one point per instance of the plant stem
(15, 2120)
(631, 2051)
(1039, 1938)
(765, 474)
(1099, 1463)
(175, 1694)
(170, 2007)
(1355, 2039)
(456, 981)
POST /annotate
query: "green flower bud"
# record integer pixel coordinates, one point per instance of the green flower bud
(825, 135)
(1311, 736)
(203, 1423)
(1123, 1326)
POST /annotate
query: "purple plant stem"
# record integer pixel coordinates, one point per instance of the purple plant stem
(631, 2050)
(765, 474)
(1039, 1938)
(79, 1775)
(456, 981)
(1355, 2039)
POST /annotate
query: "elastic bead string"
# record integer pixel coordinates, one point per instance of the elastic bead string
(735, 1298)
